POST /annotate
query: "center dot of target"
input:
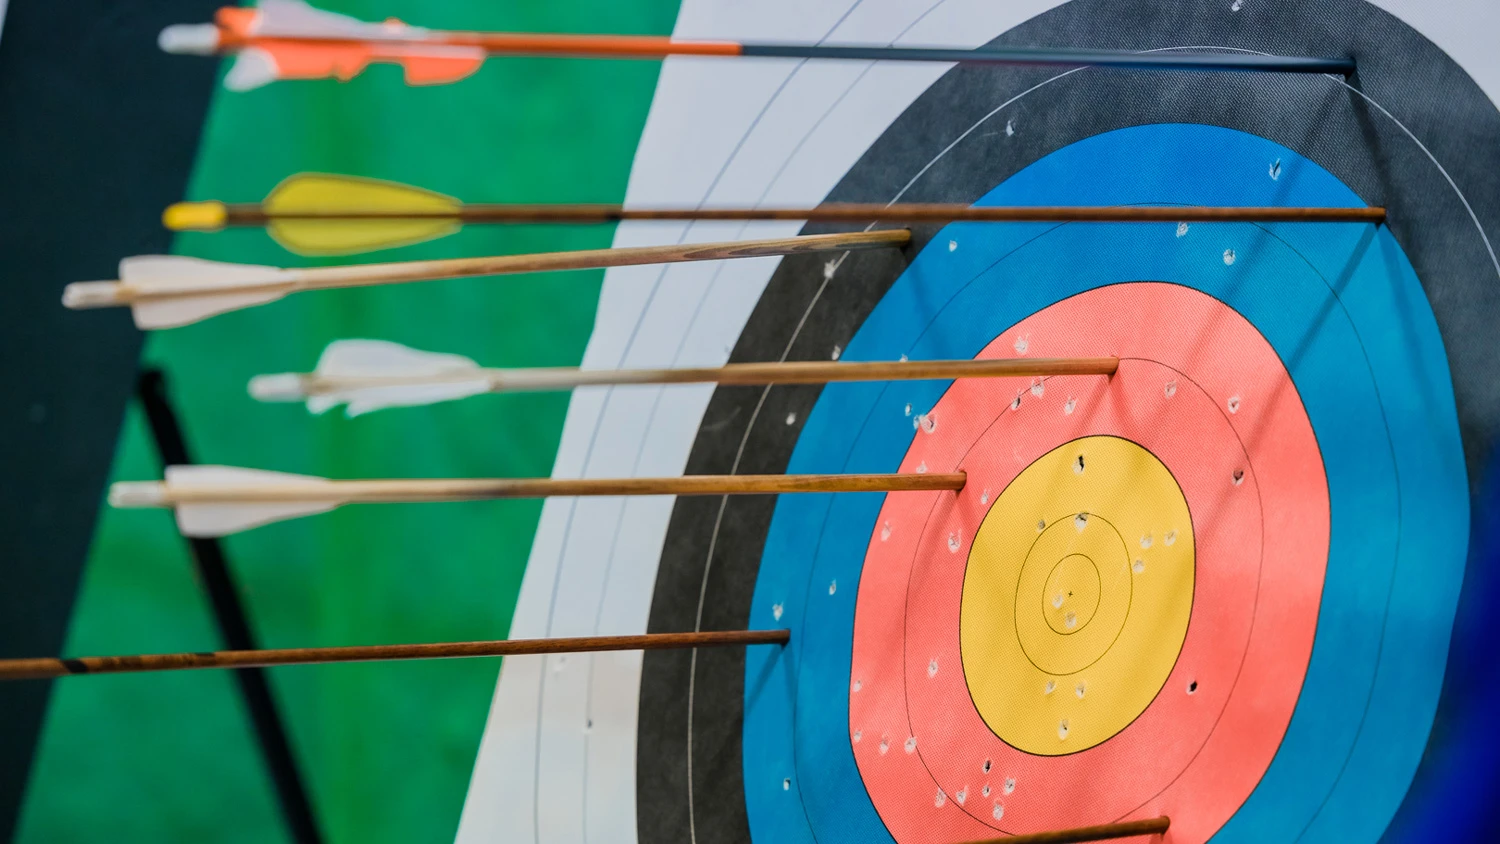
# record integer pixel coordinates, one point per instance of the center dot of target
(1071, 595)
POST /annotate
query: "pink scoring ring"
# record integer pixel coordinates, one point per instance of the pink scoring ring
(1207, 411)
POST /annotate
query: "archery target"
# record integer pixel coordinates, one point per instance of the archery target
(1312, 360)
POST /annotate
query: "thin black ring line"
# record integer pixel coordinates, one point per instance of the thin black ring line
(1093, 611)
(1021, 573)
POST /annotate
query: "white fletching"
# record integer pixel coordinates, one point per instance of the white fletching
(224, 519)
(252, 68)
(163, 275)
(382, 359)
(296, 19)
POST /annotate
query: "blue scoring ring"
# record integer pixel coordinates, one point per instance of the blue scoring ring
(1346, 313)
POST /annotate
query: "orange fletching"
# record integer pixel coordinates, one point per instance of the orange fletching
(429, 67)
(444, 58)
(235, 25)
(342, 60)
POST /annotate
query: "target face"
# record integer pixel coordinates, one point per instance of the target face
(1186, 504)
(1217, 585)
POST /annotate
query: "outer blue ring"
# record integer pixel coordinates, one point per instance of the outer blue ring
(1344, 310)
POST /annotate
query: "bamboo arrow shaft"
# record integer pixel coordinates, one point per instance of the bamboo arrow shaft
(253, 214)
(1078, 835)
(798, 372)
(23, 669)
(470, 489)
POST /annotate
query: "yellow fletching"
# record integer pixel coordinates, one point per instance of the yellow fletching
(194, 216)
(435, 215)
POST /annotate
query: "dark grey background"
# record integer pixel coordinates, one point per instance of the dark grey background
(98, 130)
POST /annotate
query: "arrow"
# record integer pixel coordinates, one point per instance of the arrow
(27, 669)
(324, 214)
(288, 39)
(165, 291)
(1077, 835)
(371, 375)
(220, 500)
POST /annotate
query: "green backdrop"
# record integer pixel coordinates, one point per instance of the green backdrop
(385, 748)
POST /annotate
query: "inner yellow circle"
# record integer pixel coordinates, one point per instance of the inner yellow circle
(1100, 523)
(1071, 594)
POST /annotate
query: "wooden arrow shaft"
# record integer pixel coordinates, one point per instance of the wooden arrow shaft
(23, 669)
(470, 489)
(253, 214)
(366, 275)
(1077, 835)
(373, 274)
(798, 372)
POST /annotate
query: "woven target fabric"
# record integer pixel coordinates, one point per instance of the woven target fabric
(1256, 327)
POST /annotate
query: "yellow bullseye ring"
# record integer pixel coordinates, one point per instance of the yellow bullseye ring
(1076, 596)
